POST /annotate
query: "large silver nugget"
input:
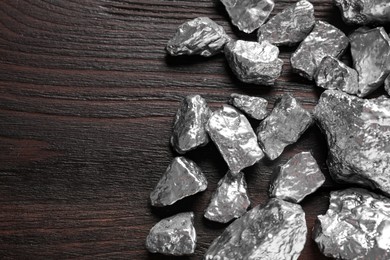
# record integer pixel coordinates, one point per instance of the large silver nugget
(230, 200)
(248, 15)
(286, 123)
(355, 227)
(364, 11)
(297, 178)
(234, 137)
(333, 74)
(175, 235)
(290, 26)
(358, 135)
(253, 62)
(275, 231)
(324, 40)
(200, 36)
(182, 178)
(387, 84)
(370, 51)
(255, 107)
(189, 128)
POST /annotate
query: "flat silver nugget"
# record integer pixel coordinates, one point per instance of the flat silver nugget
(286, 123)
(290, 26)
(182, 178)
(248, 15)
(189, 128)
(334, 74)
(297, 178)
(370, 51)
(175, 235)
(230, 200)
(253, 62)
(255, 107)
(275, 231)
(355, 227)
(200, 36)
(364, 11)
(324, 40)
(233, 135)
(358, 136)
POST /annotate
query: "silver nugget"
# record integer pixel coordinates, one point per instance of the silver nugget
(324, 40)
(253, 62)
(234, 137)
(175, 235)
(275, 231)
(182, 178)
(290, 26)
(358, 135)
(286, 123)
(200, 36)
(355, 227)
(297, 178)
(370, 51)
(387, 84)
(255, 107)
(248, 15)
(364, 11)
(333, 74)
(189, 128)
(230, 200)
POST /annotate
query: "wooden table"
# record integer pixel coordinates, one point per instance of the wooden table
(87, 99)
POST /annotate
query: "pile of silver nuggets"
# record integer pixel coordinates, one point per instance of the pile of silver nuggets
(357, 223)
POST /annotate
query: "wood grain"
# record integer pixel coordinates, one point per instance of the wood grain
(87, 99)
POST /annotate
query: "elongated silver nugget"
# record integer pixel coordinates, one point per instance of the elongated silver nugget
(230, 200)
(189, 128)
(233, 135)
(200, 36)
(286, 123)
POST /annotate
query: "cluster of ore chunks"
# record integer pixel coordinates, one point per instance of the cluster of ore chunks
(357, 223)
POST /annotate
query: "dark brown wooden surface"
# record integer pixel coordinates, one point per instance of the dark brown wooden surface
(87, 99)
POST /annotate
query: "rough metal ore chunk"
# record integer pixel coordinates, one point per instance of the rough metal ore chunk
(387, 84)
(290, 26)
(356, 226)
(324, 40)
(275, 231)
(364, 11)
(358, 135)
(370, 51)
(248, 15)
(230, 200)
(296, 179)
(189, 128)
(333, 74)
(255, 107)
(254, 62)
(182, 178)
(234, 137)
(200, 36)
(175, 235)
(286, 123)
